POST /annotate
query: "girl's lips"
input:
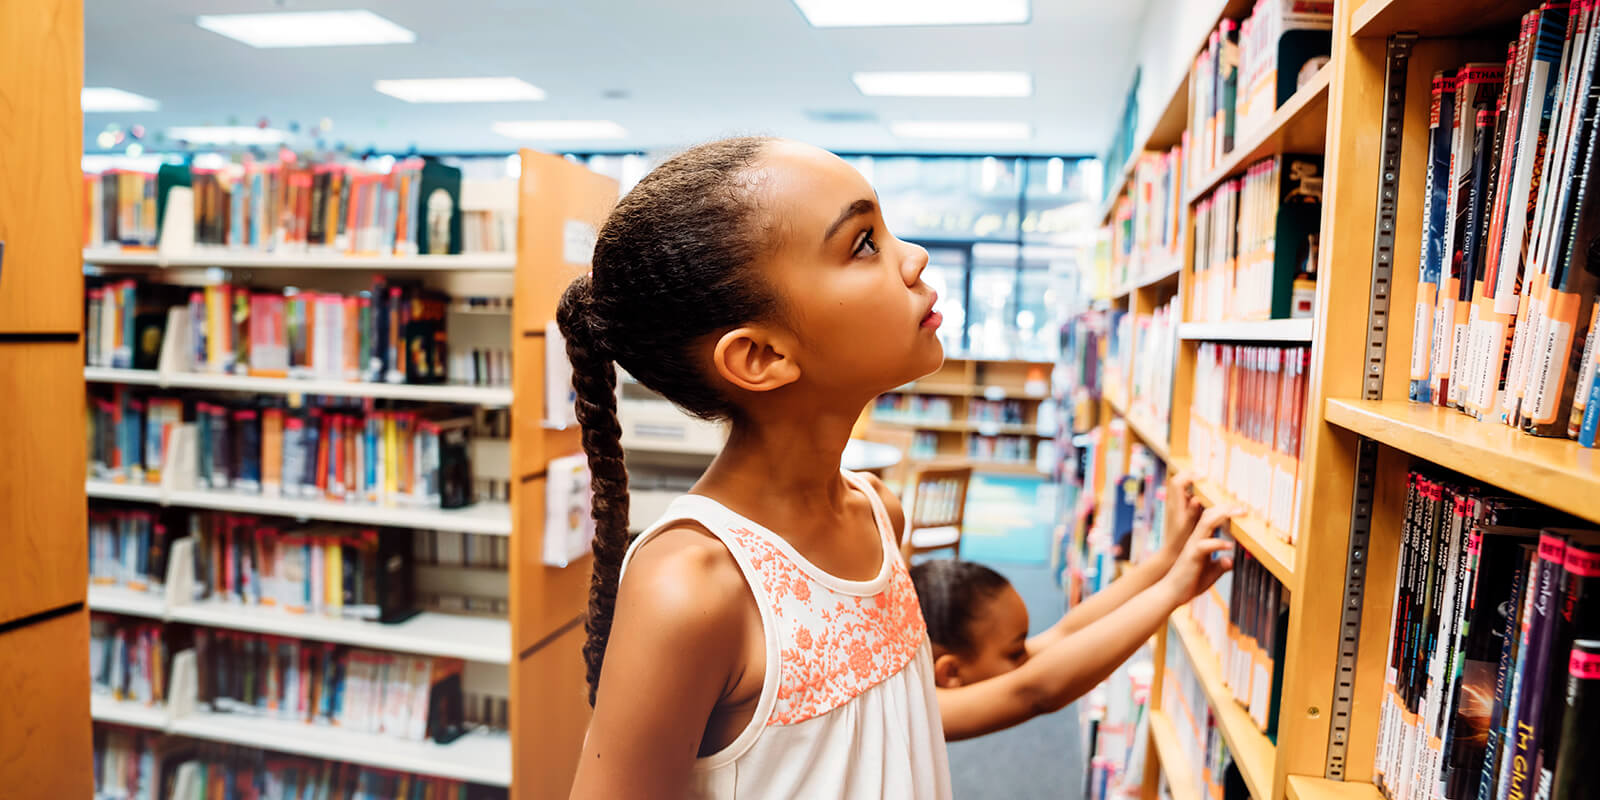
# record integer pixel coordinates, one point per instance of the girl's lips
(933, 320)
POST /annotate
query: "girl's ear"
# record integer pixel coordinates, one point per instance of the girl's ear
(756, 359)
(947, 671)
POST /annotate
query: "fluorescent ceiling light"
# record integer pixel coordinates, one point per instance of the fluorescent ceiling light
(961, 130)
(872, 13)
(227, 134)
(460, 90)
(104, 98)
(561, 129)
(307, 28)
(944, 84)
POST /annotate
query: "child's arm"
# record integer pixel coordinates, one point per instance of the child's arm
(1065, 671)
(675, 650)
(1182, 512)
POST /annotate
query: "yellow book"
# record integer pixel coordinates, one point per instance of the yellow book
(390, 462)
(333, 580)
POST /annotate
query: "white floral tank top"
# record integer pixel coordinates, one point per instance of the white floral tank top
(848, 707)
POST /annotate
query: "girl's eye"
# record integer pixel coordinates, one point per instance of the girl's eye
(866, 246)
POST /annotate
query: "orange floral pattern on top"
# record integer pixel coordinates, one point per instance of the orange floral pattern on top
(834, 646)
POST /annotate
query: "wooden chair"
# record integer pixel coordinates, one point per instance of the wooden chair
(936, 510)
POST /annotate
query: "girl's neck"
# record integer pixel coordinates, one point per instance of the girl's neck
(783, 463)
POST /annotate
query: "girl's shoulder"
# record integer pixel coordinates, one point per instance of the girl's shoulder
(684, 569)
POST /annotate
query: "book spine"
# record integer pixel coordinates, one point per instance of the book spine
(1573, 777)
(1441, 109)
(1533, 667)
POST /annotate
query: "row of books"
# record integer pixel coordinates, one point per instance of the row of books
(997, 412)
(1256, 242)
(128, 659)
(924, 446)
(1138, 519)
(1116, 717)
(290, 206)
(1245, 618)
(138, 765)
(324, 570)
(396, 332)
(1247, 424)
(1147, 223)
(456, 549)
(340, 449)
(366, 691)
(1494, 649)
(1183, 699)
(1119, 351)
(128, 548)
(1155, 345)
(1004, 449)
(1251, 67)
(913, 408)
(1504, 326)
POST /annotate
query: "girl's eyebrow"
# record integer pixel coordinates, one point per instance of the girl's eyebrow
(856, 209)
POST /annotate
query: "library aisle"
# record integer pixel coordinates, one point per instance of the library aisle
(307, 495)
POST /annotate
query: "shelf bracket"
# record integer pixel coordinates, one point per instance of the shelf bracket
(1398, 58)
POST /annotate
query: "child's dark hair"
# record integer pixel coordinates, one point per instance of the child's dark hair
(672, 265)
(951, 592)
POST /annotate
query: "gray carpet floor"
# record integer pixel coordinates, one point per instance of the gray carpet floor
(1042, 758)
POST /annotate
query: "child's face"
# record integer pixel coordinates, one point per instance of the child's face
(999, 633)
(852, 294)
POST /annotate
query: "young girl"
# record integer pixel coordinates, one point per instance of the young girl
(763, 639)
(992, 675)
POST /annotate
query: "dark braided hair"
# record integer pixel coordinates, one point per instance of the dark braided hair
(951, 593)
(673, 265)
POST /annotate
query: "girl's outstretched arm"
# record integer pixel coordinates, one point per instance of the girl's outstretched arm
(1183, 511)
(1076, 663)
(675, 650)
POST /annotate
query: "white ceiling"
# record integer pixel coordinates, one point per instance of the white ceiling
(691, 70)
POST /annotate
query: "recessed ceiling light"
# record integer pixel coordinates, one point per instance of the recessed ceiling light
(307, 28)
(226, 134)
(103, 98)
(960, 129)
(461, 90)
(561, 129)
(944, 84)
(872, 13)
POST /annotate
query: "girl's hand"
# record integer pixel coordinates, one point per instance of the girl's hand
(1198, 564)
(1183, 511)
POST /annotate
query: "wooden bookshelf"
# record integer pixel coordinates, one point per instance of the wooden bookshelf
(1267, 330)
(549, 699)
(1300, 125)
(1163, 275)
(201, 258)
(487, 396)
(1380, 19)
(1180, 773)
(47, 749)
(1172, 114)
(1305, 787)
(1556, 472)
(1248, 529)
(1254, 754)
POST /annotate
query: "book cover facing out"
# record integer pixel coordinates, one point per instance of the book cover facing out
(439, 210)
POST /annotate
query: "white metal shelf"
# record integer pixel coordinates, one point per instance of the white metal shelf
(493, 396)
(1272, 330)
(122, 600)
(105, 708)
(466, 262)
(478, 757)
(131, 492)
(429, 633)
(489, 519)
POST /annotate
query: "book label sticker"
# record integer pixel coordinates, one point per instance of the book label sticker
(1584, 665)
